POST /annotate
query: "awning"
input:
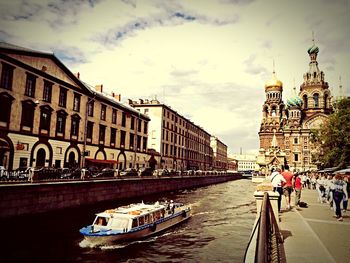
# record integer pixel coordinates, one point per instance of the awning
(101, 161)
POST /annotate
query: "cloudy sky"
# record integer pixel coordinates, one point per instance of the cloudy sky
(208, 60)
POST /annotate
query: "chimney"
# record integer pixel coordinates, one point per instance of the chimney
(99, 88)
(117, 97)
(77, 75)
(141, 101)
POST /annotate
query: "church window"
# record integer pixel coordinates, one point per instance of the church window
(326, 101)
(296, 157)
(305, 101)
(316, 100)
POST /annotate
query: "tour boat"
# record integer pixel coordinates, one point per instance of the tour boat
(134, 221)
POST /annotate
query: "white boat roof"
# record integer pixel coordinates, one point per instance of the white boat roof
(132, 210)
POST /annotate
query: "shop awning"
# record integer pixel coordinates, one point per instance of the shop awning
(101, 161)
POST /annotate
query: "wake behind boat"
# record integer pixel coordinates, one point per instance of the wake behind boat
(134, 221)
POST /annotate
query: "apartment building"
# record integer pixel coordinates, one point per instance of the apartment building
(182, 144)
(50, 117)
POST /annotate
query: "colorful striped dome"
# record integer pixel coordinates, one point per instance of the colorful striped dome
(313, 49)
(295, 101)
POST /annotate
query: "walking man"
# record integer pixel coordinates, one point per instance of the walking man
(277, 179)
(288, 186)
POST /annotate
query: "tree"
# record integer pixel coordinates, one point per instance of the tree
(334, 137)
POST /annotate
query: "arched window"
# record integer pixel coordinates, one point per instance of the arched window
(326, 101)
(305, 101)
(273, 111)
(5, 108)
(316, 100)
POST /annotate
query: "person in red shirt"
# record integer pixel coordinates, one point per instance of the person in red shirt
(297, 188)
(288, 186)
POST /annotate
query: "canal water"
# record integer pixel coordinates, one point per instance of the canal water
(219, 230)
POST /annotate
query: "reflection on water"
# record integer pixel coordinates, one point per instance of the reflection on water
(223, 217)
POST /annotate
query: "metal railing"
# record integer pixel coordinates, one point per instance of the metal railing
(269, 239)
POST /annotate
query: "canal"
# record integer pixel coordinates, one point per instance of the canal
(223, 217)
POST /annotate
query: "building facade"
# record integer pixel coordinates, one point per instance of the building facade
(49, 117)
(245, 162)
(219, 154)
(290, 125)
(182, 144)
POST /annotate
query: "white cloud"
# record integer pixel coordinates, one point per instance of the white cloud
(209, 60)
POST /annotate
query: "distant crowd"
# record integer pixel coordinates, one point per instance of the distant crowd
(332, 188)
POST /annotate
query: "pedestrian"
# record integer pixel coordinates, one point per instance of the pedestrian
(31, 174)
(297, 188)
(277, 179)
(346, 194)
(288, 186)
(321, 189)
(339, 190)
(82, 173)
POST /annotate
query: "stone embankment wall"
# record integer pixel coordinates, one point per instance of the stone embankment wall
(22, 199)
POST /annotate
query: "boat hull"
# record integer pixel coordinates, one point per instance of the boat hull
(141, 232)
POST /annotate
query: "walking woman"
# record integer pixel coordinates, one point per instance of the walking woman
(339, 190)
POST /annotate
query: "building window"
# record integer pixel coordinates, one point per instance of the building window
(122, 139)
(296, 157)
(114, 116)
(27, 120)
(138, 142)
(146, 111)
(295, 140)
(61, 123)
(90, 108)
(62, 100)
(132, 123)
(316, 100)
(102, 133)
(113, 135)
(6, 76)
(5, 108)
(144, 143)
(103, 112)
(45, 118)
(131, 141)
(305, 101)
(30, 85)
(123, 119)
(75, 126)
(139, 125)
(76, 102)
(89, 130)
(47, 91)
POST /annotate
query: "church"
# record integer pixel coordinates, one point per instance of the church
(286, 128)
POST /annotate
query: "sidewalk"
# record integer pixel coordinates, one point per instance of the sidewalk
(312, 234)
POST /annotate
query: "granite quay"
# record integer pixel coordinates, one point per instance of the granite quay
(26, 198)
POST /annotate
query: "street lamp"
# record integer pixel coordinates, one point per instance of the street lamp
(85, 129)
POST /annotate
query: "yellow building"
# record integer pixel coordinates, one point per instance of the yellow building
(219, 154)
(49, 117)
(181, 144)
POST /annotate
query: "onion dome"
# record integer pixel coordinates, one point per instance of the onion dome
(313, 49)
(294, 101)
(274, 83)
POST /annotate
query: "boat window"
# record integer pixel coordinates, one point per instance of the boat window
(157, 215)
(101, 221)
(120, 223)
(141, 221)
(147, 219)
(162, 212)
(134, 222)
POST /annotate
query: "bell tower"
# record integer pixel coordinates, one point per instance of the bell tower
(314, 90)
(273, 114)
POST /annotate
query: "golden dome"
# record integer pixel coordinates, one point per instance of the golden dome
(274, 82)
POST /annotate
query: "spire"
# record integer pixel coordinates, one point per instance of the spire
(341, 92)
(274, 143)
(273, 67)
